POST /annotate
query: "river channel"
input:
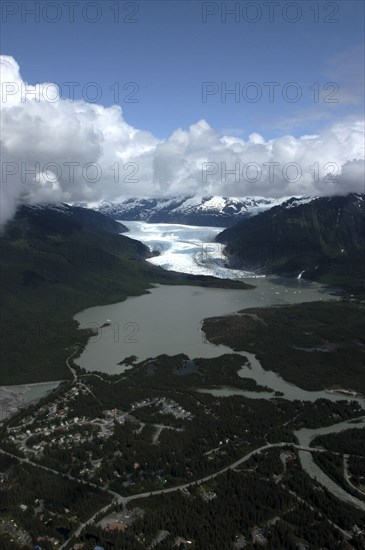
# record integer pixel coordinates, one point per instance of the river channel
(168, 319)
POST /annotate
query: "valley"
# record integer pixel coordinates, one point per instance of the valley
(197, 381)
(182, 275)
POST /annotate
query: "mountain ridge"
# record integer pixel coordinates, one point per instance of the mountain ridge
(56, 261)
(322, 239)
(216, 211)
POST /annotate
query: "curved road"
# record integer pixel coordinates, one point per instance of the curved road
(120, 499)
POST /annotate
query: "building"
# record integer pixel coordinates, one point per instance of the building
(115, 526)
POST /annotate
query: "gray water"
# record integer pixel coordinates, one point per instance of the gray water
(37, 391)
(13, 398)
(305, 437)
(168, 320)
(32, 391)
(275, 382)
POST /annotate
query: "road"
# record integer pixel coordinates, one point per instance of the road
(116, 497)
(306, 436)
(120, 499)
(346, 475)
(90, 520)
(71, 369)
(346, 534)
(159, 428)
(223, 470)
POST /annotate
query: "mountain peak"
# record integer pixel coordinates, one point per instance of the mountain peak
(202, 210)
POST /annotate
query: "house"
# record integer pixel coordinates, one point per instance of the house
(115, 526)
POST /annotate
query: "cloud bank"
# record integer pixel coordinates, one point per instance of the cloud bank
(55, 149)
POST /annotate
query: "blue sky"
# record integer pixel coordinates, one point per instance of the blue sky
(169, 52)
(172, 138)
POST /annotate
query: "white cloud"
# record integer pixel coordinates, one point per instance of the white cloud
(76, 151)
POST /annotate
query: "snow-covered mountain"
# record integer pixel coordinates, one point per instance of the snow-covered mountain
(197, 210)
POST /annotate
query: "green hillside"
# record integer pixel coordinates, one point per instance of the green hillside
(324, 237)
(56, 262)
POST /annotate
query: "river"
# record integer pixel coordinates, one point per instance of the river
(168, 320)
(305, 437)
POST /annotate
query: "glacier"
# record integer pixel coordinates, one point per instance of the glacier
(185, 248)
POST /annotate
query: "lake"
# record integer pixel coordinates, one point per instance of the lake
(168, 320)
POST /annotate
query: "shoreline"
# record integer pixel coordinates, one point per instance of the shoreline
(7, 387)
(344, 391)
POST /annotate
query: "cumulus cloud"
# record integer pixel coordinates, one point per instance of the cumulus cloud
(56, 149)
